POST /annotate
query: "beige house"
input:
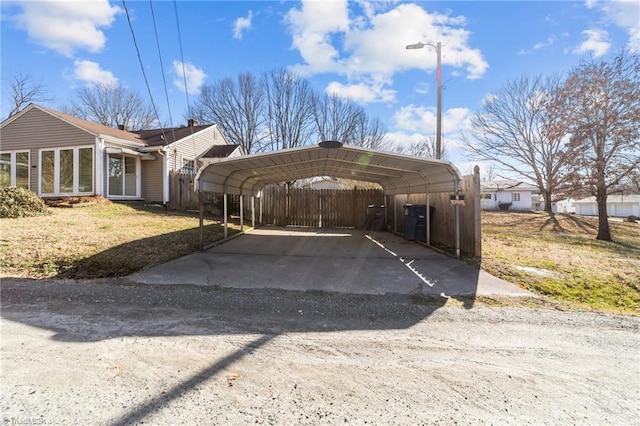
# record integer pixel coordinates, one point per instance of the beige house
(58, 155)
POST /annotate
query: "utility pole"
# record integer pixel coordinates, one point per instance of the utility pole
(438, 48)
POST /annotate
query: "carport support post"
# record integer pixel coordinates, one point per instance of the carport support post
(253, 211)
(201, 217)
(457, 213)
(428, 220)
(241, 213)
(224, 213)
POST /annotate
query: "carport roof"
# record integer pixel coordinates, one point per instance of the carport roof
(396, 173)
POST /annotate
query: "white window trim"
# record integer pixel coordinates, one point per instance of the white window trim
(195, 169)
(56, 171)
(138, 178)
(14, 166)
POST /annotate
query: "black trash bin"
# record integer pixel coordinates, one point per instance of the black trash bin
(415, 222)
(375, 218)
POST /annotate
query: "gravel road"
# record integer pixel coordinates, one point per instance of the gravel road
(114, 353)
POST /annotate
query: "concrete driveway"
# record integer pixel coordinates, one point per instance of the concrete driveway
(334, 260)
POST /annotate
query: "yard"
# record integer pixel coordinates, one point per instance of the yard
(103, 240)
(558, 256)
(555, 256)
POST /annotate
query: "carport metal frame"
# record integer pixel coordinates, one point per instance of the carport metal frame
(395, 173)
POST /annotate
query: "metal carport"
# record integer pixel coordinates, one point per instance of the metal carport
(395, 173)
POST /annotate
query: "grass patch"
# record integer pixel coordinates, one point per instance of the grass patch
(98, 241)
(558, 256)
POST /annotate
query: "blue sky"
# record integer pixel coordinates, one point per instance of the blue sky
(353, 48)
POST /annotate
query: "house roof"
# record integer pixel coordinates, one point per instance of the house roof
(396, 173)
(507, 185)
(151, 137)
(613, 198)
(166, 136)
(89, 126)
(220, 151)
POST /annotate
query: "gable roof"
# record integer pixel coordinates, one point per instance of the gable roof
(506, 185)
(151, 137)
(88, 126)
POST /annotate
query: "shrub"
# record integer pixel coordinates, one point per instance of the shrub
(20, 202)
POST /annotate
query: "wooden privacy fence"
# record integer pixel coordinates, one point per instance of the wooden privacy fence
(323, 208)
(335, 208)
(443, 224)
(182, 195)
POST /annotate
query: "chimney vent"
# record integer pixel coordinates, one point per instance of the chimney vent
(123, 127)
(192, 122)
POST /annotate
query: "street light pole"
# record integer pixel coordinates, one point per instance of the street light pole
(438, 48)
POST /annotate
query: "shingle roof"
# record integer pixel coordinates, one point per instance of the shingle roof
(220, 151)
(155, 137)
(91, 127)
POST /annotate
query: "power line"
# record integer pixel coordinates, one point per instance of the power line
(164, 79)
(144, 74)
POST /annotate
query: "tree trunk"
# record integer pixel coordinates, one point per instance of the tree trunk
(603, 220)
(547, 201)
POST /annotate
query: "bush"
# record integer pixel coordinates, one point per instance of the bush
(20, 202)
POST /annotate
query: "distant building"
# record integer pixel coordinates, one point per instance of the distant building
(502, 192)
(618, 205)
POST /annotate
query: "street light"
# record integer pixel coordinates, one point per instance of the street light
(438, 48)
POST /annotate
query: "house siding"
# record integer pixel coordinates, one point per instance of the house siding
(193, 146)
(152, 179)
(45, 131)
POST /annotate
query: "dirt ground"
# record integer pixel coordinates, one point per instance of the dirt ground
(115, 353)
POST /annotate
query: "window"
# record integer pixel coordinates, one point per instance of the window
(66, 171)
(515, 196)
(14, 169)
(485, 196)
(188, 167)
(123, 176)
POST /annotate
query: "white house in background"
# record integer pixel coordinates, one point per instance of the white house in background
(497, 192)
(325, 183)
(558, 205)
(618, 205)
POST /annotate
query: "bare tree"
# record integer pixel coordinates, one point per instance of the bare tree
(112, 105)
(490, 174)
(513, 130)
(335, 117)
(237, 106)
(599, 109)
(25, 90)
(289, 109)
(370, 133)
(425, 147)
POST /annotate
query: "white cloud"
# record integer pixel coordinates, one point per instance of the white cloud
(423, 119)
(242, 24)
(371, 48)
(194, 76)
(597, 43)
(362, 92)
(590, 4)
(66, 26)
(91, 73)
(626, 14)
(312, 27)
